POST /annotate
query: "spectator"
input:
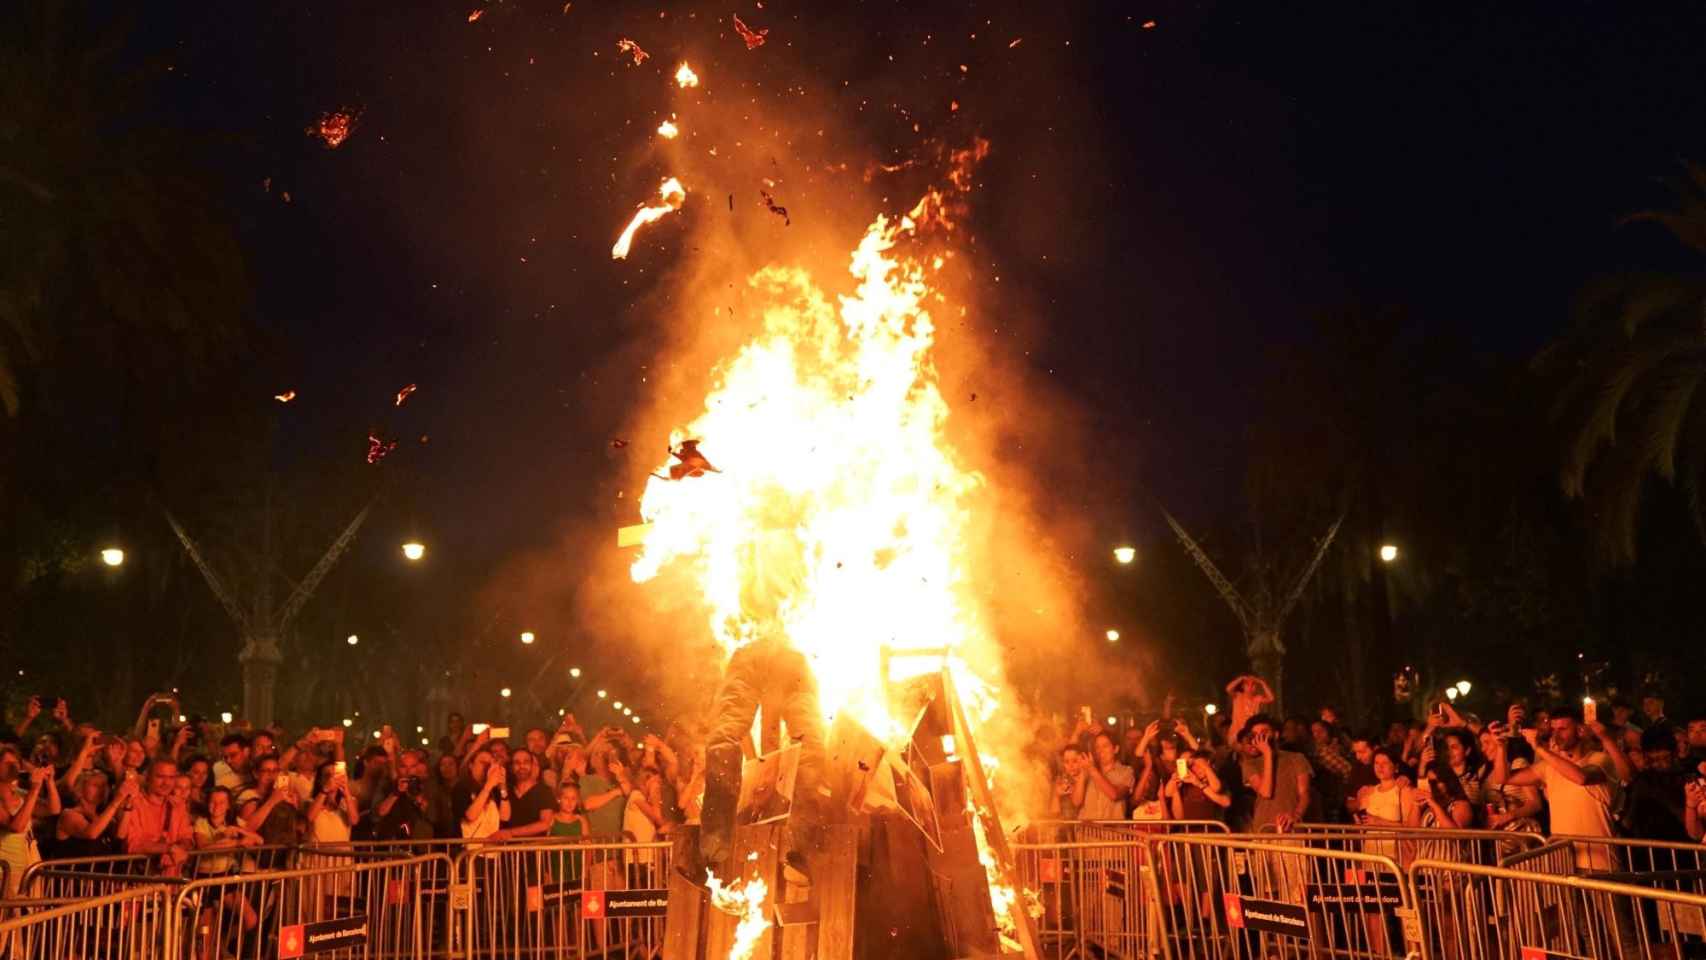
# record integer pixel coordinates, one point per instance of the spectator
(271, 807)
(1623, 715)
(1062, 805)
(1249, 694)
(1655, 806)
(1694, 810)
(262, 744)
(1361, 773)
(200, 772)
(1332, 768)
(604, 789)
(1696, 738)
(1513, 807)
(1389, 801)
(1104, 785)
(408, 812)
(90, 829)
(22, 789)
(1444, 802)
(216, 830)
(156, 824)
(568, 823)
(1653, 709)
(135, 755)
(1198, 794)
(374, 783)
(232, 769)
(334, 812)
(538, 743)
(531, 801)
(480, 801)
(1580, 782)
(110, 757)
(1279, 779)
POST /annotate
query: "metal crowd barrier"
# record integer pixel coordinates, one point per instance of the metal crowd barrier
(1672, 866)
(1267, 897)
(1404, 844)
(1091, 893)
(118, 926)
(1545, 915)
(557, 899)
(1080, 831)
(378, 909)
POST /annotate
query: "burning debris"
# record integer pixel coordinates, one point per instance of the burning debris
(754, 40)
(617, 444)
(668, 130)
(335, 126)
(685, 77)
(378, 447)
(403, 394)
(285, 397)
(633, 49)
(476, 14)
(744, 900)
(691, 463)
(771, 205)
(673, 195)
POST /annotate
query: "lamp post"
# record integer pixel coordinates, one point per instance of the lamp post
(112, 556)
(414, 550)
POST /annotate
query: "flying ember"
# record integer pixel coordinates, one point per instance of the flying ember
(673, 195)
(285, 397)
(754, 39)
(630, 47)
(685, 77)
(334, 127)
(403, 394)
(668, 130)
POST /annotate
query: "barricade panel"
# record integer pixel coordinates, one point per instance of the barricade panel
(118, 926)
(561, 900)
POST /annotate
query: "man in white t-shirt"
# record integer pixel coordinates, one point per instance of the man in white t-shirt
(1103, 785)
(1581, 780)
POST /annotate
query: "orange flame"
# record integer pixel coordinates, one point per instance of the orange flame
(685, 77)
(745, 901)
(334, 127)
(668, 130)
(673, 194)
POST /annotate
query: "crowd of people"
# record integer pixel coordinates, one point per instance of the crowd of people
(196, 803)
(1616, 771)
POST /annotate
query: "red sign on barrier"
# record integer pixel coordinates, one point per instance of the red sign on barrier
(592, 905)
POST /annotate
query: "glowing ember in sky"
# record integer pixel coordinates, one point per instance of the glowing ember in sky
(403, 394)
(1016, 42)
(285, 397)
(1149, 24)
(753, 40)
(630, 47)
(334, 127)
(668, 130)
(685, 77)
(673, 194)
(377, 448)
(475, 15)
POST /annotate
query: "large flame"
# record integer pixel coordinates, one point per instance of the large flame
(840, 514)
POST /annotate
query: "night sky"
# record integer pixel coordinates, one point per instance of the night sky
(1164, 204)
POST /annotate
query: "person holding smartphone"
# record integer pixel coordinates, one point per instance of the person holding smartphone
(1194, 792)
(1580, 779)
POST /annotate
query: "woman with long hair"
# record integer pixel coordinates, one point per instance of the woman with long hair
(218, 830)
(90, 829)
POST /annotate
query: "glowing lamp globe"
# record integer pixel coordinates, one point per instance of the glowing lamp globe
(112, 557)
(414, 550)
(1125, 554)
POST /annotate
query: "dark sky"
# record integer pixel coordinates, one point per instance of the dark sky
(1166, 203)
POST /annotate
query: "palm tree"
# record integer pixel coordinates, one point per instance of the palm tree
(114, 253)
(1629, 398)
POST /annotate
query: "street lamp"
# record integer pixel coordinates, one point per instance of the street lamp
(348, 722)
(352, 640)
(112, 557)
(1210, 709)
(575, 672)
(1451, 694)
(1113, 636)
(414, 550)
(527, 636)
(1463, 687)
(225, 717)
(627, 711)
(616, 706)
(601, 694)
(504, 693)
(1125, 555)
(1388, 552)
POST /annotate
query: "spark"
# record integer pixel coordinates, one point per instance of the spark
(285, 397)
(475, 15)
(685, 77)
(668, 130)
(1149, 24)
(334, 127)
(1016, 42)
(403, 394)
(378, 448)
(673, 195)
(630, 47)
(753, 40)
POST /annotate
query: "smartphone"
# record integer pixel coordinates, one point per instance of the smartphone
(480, 728)
(1184, 768)
(500, 733)
(1590, 710)
(281, 782)
(1085, 713)
(340, 768)
(154, 726)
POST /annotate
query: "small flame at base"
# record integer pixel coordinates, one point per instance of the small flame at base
(744, 900)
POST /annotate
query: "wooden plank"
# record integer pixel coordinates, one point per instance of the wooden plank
(720, 925)
(836, 890)
(962, 885)
(684, 926)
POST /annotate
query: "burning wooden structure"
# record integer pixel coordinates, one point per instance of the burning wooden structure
(903, 871)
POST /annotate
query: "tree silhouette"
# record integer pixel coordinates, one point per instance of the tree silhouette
(1629, 395)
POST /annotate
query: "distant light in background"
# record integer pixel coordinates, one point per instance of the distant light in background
(348, 722)
(225, 716)
(1463, 687)
(1388, 552)
(376, 734)
(112, 557)
(504, 693)
(601, 694)
(183, 719)
(419, 728)
(616, 706)
(1211, 709)
(627, 711)
(1112, 721)
(527, 636)
(1125, 554)
(1451, 693)
(414, 550)
(575, 672)
(352, 640)
(1113, 636)
(425, 742)
(562, 711)
(635, 719)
